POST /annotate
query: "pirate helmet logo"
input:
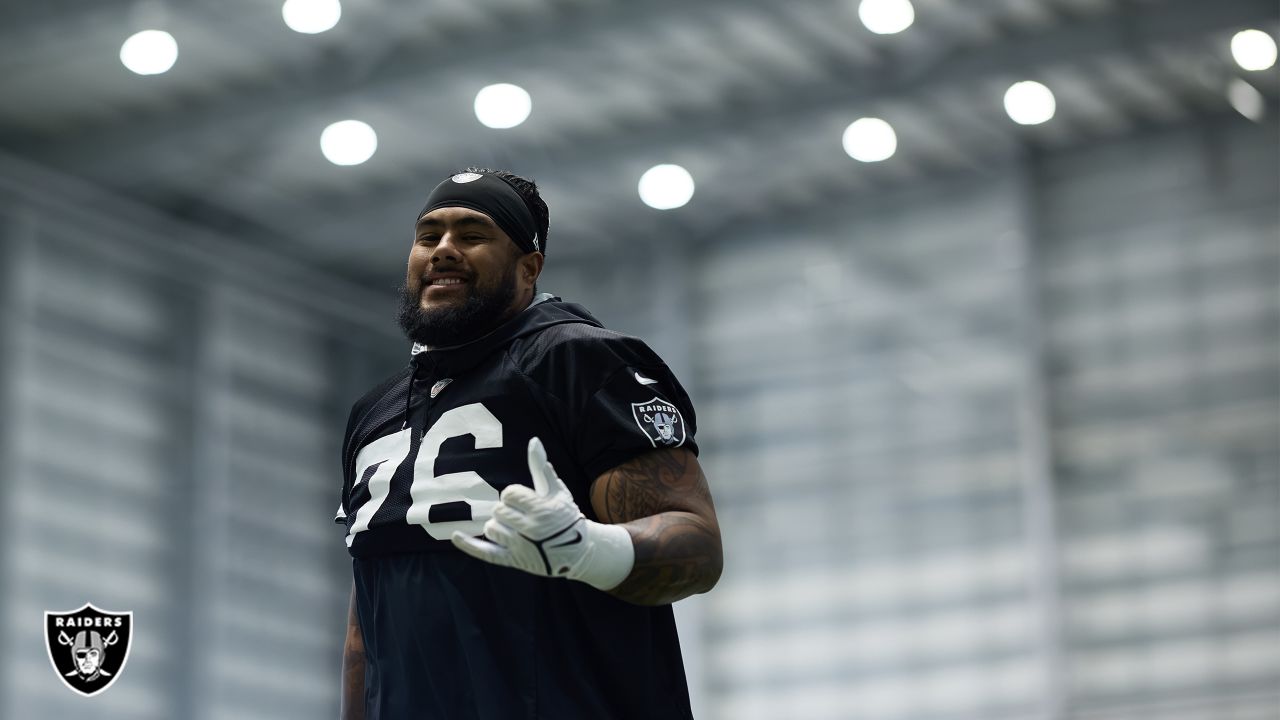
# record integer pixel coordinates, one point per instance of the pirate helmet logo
(660, 421)
(88, 647)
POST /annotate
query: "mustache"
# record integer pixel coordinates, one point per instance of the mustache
(424, 279)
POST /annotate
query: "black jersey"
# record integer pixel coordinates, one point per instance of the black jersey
(427, 452)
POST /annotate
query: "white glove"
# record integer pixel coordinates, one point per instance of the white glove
(542, 531)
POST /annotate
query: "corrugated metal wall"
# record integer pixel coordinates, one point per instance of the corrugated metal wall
(862, 378)
(1162, 284)
(97, 494)
(866, 380)
(172, 434)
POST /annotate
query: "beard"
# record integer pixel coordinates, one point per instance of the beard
(456, 323)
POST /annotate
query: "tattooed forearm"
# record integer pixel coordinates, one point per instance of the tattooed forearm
(677, 555)
(353, 667)
(663, 500)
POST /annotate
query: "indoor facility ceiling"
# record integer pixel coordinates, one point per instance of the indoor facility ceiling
(751, 96)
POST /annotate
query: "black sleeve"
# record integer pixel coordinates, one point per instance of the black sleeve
(638, 408)
(617, 398)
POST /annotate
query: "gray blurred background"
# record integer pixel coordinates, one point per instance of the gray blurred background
(993, 424)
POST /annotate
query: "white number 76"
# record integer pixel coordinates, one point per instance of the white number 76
(429, 490)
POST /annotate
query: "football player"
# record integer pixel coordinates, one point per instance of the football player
(522, 502)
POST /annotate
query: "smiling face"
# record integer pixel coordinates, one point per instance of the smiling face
(465, 277)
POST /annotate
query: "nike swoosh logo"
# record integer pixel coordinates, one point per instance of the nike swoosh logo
(644, 380)
(577, 538)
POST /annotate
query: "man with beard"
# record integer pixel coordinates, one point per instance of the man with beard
(523, 502)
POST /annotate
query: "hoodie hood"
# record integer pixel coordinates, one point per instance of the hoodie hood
(432, 364)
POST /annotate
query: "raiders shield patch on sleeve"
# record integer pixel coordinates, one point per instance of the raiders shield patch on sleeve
(660, 421)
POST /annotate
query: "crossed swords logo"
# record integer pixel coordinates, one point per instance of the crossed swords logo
(88, 651)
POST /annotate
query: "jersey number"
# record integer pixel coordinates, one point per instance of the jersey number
(441, 504)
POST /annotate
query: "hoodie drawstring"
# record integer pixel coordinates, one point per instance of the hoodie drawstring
(408, 396)
(413, 379)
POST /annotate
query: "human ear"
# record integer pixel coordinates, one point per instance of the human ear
(531, 267)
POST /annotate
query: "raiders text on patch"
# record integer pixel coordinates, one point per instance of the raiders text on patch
(88, 622)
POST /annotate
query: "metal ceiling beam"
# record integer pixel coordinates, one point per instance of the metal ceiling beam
(278, 100)
(347, 72)
(1123, 33)
(1176, 20)
(281, 98)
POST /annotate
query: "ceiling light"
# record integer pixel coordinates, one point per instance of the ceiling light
(870, 140)
(886, 17)
(1029, 103)
(349, 142)
(502, 106)
(311, 16)
(149, 52)
(1253, 50)
(1246, 99)
(666, 187)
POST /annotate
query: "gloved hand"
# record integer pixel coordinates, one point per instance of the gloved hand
(542, 531)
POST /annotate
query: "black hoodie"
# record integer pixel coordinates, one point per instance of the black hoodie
(426, 453)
